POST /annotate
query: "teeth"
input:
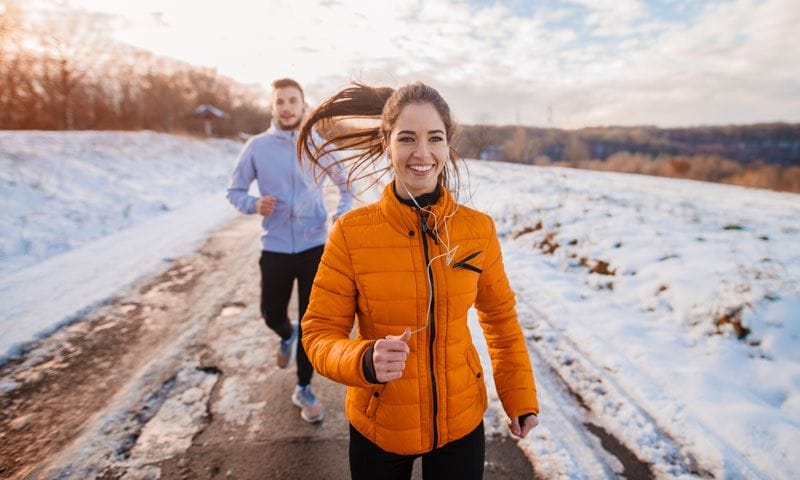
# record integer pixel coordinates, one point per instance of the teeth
(420, 168)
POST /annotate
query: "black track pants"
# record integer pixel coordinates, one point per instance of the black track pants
(278, 272)
(462, 459)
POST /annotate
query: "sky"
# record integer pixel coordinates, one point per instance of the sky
(566, 64)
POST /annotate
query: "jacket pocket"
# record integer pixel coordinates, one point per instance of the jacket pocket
(374, 400)
(463, 263)
(475, 367)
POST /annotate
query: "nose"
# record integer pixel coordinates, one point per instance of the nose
(421, 151)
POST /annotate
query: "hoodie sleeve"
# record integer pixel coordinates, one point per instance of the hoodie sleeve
(330, 315)
(243, 175)
(497, 315)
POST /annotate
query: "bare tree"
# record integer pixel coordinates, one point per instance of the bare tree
(72, 42)
(58, 71)
(480, 137)
(11, 59)
(522, 147)
(576, 150)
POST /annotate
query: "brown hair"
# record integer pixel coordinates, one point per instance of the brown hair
(288, 82)
(363, 146)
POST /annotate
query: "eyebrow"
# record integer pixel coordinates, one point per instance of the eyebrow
(409, 132)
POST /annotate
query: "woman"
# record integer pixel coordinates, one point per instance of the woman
(408, 268)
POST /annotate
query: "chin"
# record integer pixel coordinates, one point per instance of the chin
(418, 189)
(289, 126)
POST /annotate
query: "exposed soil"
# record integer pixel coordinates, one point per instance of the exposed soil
(89, 401)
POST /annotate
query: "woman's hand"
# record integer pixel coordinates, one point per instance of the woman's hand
(522, 431)
(389, 356)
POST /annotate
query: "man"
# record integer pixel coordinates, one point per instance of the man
(295, 227)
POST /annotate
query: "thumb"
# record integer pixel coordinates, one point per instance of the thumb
(403, 338)
(514, 426)
(406, 335)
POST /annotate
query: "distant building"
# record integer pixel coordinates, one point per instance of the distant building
(208, 113)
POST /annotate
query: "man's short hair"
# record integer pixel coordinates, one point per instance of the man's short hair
(288, 82)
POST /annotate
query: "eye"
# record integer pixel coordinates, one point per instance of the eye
(405, 139)
(436, 138)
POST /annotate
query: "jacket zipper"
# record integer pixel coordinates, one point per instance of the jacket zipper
(291, 205)
(432, 323)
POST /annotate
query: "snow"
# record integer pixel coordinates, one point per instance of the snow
(88, 213)
(641, 347)
(177, 420)
(645, 348)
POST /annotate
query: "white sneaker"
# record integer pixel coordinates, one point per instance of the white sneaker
(310, 408)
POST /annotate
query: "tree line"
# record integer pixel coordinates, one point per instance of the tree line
(59, 70)
(762, 155)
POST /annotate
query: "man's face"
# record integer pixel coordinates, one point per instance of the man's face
(287, 107)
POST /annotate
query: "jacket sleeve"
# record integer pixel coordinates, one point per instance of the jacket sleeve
(243, 175)
(330, 315)
(513, 374)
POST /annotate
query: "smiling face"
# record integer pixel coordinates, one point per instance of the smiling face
(287, 107)
(418, 149)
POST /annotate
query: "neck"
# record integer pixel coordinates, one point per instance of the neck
(420, 200)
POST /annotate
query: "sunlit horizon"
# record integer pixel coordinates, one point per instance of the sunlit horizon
(669, 63)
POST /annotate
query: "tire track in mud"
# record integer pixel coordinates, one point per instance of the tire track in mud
(77, 400)
(620, 425)
(576, 383)
(88, 401)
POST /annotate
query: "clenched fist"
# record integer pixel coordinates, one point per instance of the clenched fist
(389, 356)
(265, 205)
(521, 431)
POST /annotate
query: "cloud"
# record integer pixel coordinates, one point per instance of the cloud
(598, 62)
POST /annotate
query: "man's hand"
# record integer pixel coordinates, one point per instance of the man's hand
(265, 205)
(389, 356)
(521, 432)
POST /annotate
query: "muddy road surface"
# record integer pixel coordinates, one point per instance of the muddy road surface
(176, 378)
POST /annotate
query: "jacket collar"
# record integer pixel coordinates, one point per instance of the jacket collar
(405, 218)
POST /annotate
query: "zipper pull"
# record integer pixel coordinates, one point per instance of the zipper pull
(463, 263)
(427, 229)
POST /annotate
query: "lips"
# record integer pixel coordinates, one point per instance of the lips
(421, 169)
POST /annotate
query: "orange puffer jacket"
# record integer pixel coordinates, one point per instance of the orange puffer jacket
(374, 268)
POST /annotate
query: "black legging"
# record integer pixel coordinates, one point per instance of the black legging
(278, 271)
(462, 459)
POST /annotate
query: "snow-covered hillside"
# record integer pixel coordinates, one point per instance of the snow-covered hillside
(61, 190)
(87, 213)
(665, 313)
(670, 308)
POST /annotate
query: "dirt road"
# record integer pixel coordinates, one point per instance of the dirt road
(176, 378)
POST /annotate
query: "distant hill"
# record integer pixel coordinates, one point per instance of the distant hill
(772, 143)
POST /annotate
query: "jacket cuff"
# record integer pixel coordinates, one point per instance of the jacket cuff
(524, 416)
(251, 205)
(518, 402)
(368, 366)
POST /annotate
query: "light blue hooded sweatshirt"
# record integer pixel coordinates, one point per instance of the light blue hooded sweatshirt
(299, 221)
